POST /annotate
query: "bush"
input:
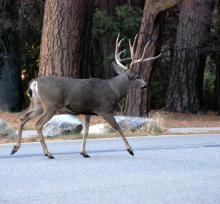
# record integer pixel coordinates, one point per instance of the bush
(126, 22)
(208, 90)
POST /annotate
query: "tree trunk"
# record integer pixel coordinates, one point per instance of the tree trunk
(137, 103)
(187, 63)
(172, 20)
(64, 42)
(11, 96)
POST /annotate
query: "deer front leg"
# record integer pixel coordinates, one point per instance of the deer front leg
(85, 134)
(47, 115)
(23, 120)
(108, 117)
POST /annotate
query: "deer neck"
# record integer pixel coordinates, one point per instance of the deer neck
(120, 85)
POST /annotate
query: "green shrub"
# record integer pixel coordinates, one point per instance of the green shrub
(127, 22)
(208, 90)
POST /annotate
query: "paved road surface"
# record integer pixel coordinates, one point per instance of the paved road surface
(164, 170)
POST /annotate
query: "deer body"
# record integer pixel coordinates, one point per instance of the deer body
(52, 94)
(82, 96)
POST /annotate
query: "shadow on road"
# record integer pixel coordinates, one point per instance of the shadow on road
(113, 151)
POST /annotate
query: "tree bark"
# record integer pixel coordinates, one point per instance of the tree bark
(187, 63)
(64, 39)
(172, 20)
(137, 103)
(11, 96)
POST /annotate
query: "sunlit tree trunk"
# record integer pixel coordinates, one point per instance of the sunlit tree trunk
(64, 43)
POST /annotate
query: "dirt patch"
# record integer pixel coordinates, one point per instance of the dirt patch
(12, 120)
(166, 119)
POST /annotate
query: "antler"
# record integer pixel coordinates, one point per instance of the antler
(132, 47)
(117, 55)
(132, 51)
(142, 59)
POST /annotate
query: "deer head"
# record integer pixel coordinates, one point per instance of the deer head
(133, 77)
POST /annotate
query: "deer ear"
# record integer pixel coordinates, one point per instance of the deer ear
(117, 69)
(131, 75)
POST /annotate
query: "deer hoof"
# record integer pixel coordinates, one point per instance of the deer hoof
(130, 152)
(15, 149)
(84, 154)
(50, 156)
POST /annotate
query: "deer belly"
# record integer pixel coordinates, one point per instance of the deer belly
(82, 109)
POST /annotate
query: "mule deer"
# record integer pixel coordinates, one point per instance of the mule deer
(93, 96)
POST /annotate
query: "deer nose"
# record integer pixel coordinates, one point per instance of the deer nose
(144, 85)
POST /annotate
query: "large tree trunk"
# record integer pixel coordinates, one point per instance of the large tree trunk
(11, 96)
(187, 63)
(137, 103)
(64, 43)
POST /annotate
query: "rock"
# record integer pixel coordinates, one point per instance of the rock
(5, 131)
(62, 125)
(130, 124)
(100, 129)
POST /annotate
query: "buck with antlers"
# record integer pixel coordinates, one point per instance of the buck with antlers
(83, 96)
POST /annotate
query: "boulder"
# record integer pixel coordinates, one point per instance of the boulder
(63, 124)
(6, 131)
(130, 124)
(100, 129)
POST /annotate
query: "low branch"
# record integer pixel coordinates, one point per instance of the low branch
(162, 5)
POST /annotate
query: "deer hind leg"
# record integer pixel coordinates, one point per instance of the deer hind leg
(23, 120)
(45, 117)
(111, 120)
(85, 134)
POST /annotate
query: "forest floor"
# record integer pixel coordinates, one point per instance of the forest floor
(165, 119)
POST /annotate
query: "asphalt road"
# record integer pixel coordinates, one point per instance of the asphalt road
(164, 170)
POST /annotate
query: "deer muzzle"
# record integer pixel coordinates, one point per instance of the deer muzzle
(143, 87)
(143, 84)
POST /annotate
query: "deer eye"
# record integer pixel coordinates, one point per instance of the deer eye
(137, 76)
